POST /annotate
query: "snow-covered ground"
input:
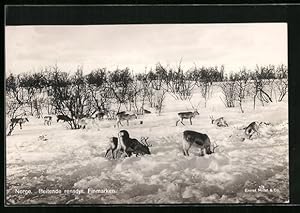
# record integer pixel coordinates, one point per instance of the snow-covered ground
(57, 158)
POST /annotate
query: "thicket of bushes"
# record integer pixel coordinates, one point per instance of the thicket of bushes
(78, 95)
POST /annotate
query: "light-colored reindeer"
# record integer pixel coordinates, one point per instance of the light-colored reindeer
(253, 128)
(202, 141)
(113, 145)
(125, 116)
(188, 115)
(220, 122)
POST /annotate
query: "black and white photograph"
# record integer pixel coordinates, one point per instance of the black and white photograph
(190, 113)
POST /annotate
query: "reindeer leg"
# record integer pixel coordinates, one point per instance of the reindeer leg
(116, 153)
(182, 122)
(20, 125)
(191, 121)
(177, 122)
(186, 146)
(118, 124)
(107, 152)
(250, 136)
(128, 153)
(113, 152)
(201, 152)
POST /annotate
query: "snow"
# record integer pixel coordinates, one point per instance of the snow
(56, 157)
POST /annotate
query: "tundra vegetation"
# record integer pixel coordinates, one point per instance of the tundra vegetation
(56, 92)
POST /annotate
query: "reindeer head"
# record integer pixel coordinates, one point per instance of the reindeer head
(124, 134)
(212, 149)
(195, 108)
(144, 141)
(145, 145)
(142, 149)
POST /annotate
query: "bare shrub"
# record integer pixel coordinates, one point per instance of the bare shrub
(228, 89)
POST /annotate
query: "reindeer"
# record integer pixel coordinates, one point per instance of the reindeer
(113, 145)
(220, 122)
(99, 114)
(19, 121)
(125, 116)
(47, 120)
(128, 145)
(146, 111)
(82, 123)
(187, 115)
(253, 128)
(63, 118)
(192, 138)
(140, 147)
(119, 113)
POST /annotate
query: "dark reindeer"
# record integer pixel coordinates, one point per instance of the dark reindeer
(202, 141)
(128, 145)
(19, 121)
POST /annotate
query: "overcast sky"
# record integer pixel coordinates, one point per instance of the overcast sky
(29, 48)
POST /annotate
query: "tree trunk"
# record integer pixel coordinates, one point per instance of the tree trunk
(241, 106)
(254, 99)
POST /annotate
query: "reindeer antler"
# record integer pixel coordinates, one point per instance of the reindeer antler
(144, 141)
(195, 108)
(198, 105)
(192, 105)
(214, 147)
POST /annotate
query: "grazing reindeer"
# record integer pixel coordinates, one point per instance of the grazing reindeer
(253, 128)
(220, 122)
(186, 115)
(63, 118)
(197, 139)
(129, 145)
(125, 116)
(19, 121)
(140, 148)
(47, 120)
